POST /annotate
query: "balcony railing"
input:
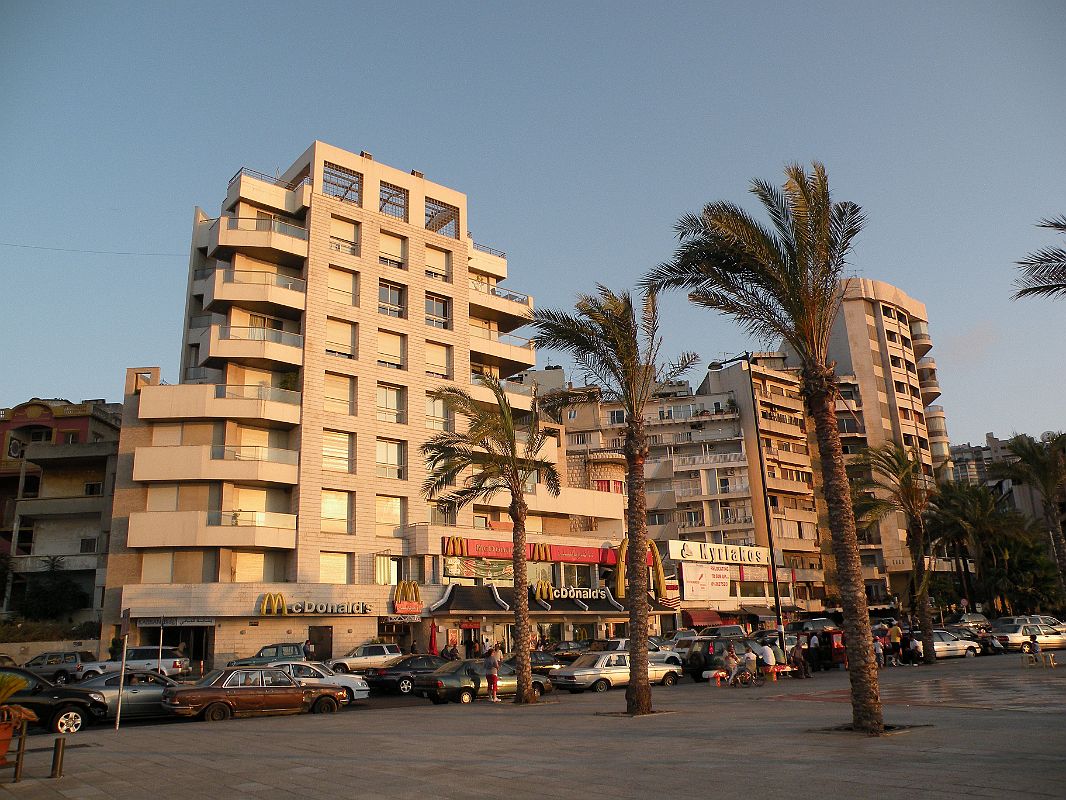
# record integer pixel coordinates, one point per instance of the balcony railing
(508, 386)
(226, 452)
(709, 458)
(266, 224)
(252, 519)
(344, 246)
(255, 392)
(496, 291)
(504, 338)
(492, 251)
(259, 176)
(246, 334)
(261, 278)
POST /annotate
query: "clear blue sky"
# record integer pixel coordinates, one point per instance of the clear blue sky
(580, 132)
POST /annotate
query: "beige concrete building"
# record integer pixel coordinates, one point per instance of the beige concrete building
(273, 494)
(704, 485)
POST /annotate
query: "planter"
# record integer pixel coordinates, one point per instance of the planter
(7, 730)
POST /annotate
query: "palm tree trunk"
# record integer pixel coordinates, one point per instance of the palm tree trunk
(956, 562)
(820, 392)
(517, 511)
(638, 692)
(916, 537)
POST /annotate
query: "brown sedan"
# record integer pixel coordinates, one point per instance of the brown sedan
(243, 691)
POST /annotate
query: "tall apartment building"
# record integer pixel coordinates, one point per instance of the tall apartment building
(880, 343)
(705, 486)
(274, 494)
(56, 483)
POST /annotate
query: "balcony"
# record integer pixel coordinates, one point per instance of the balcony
(290, 197)
(487, 260)
(927, 381)
(921, 342)
(785, 485)
(81, 506)
(205, 401)
(253, 347)
(709, 459)
(507, 352)
(784, 424)
(801, 575)
(264, 238)
(261, 529)
(787, 398)
(788, 457)
(507, 308)
(259, 465)
(82, 454)
(519, 395)
(255, 290)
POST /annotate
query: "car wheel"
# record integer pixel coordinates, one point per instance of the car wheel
(405, 685)
(970, 652)
(217, 712)
(324, 705)
(61, 678)
(68, 719)
(340, 668)
(1026, 647)
(601, 686)
(537, 691)
(669, 679)
(466, 697)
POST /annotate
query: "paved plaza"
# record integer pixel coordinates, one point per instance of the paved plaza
(990, 728)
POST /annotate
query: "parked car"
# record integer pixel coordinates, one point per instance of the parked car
(708, 653)
(545, 664)
(168, 661)
(60, 666)
(59, 709)
(988, 644)
(568, 650)
(315, 673)
(817, 624)
(7, 661)
(661, 643)
(1034, 619)
(142, 692)
(682, 647)
(656, 654)
(974, 621)
(364, 657)
(463, 681)
(599, 671)
(1017, 637)
(947, 645)
(282, 651)
(245, 691)
(1051, 622)
(398, 674)
(724, 630)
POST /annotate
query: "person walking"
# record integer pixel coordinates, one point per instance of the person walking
(798, 662)
(895, 639)
(879, 652)
(814, 657)
(492, 671)
(308, 650)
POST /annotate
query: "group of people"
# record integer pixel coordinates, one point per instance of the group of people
(897, 647)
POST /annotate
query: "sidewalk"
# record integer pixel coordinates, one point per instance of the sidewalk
(994, 729)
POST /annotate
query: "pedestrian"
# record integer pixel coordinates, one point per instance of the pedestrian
(732, 663)
(798, 662)
(414, 647)
(492, 672)
(769, 659)
(879, 653)
(814, 658)
(895, 638)
(915, 651)
(308, 650)
(1034, 645)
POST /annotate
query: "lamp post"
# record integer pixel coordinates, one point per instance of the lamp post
(717, 365)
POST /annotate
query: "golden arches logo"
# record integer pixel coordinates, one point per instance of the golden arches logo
(543, 590)
(273, 604)
(540, 552)
(454, 546)
(657, 570)
(408, 592)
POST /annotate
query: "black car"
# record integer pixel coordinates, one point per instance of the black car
(708, 653)
(990, 645)
(60, 709)
(464, 681)
(399, 674)
(541, 663)
(569, 651)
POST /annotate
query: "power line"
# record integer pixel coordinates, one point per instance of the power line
(93, 252)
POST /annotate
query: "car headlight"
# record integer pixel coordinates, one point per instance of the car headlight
(99, 698)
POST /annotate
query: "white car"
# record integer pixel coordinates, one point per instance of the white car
(364, 657)
(167, 661)
(600, 671)
(314, 673)
(656, 654)
(947, 645)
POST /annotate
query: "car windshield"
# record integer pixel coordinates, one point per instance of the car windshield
(210, 678)
(587, 660)
(321, 667)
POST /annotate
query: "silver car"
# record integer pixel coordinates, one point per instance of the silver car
(142, 692)
(600, 671)
(310, 673)
(947, 645)
(1018, 637)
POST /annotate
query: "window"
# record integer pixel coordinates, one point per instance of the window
(603, 486)
(442, 218)
(571, 414)
(577, 575)
(391, 251)
(442, 516)
(340, 338)
(338, 393)
(896, 361)
(333, 568)
(891, 336)
(438, 360)
(391, 349)
(438, 418)
(41, 435)
(392, 403)
(389, 511)
(392, 299)
(392, 201)
(438, 311)
(915, 392)
(618, 487)
(901, 388)
(905, 413)
(391, 458)
(94, 489)
(342, 183)
(656, 517)
(437, 264)
(70, 437)
(342, 286)
(336, 511)
(344, 236)
(88, 546)
(887, 312)
(388, 570)
(618, 417)
(580, 439)
(337, 451)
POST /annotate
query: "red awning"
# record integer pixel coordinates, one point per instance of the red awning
(699, 617)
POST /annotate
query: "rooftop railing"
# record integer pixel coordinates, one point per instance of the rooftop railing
(262, 278)
(255, 392)
(225, 452)
(492, 251)
(497, 291)
(273, 181)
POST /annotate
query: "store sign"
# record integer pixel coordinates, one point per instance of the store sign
(756, 574)
(402, 619)
(705, 581)
(543, 590)
(460, 546)
(176, 622)
(407, 598)
(273, 604)
(718, 553)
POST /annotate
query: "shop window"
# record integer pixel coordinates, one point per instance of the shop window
(579, 575)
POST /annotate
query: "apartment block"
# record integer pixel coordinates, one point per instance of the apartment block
(273, 494)
(56, 484)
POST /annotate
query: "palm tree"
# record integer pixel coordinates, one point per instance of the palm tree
(893, 483)
(1044, 272)
(501, 449)
(1042, 466)
(617, 346)
(784, 283)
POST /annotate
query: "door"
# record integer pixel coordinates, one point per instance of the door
(321, 637)
(142, 695)
(280, 692)
(244, 689)
(507, 680)
(618, 669)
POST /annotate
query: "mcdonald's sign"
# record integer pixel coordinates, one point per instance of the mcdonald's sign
(655, 562)
(543, 591)
(540, 551)
(408, 598)
(273, 604)
(454, 546)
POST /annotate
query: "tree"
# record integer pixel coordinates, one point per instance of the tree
(892, 482)
(1042, 466)
(1044, 272)
(501, 450)
(51, 594)
(783, 283)
(617, 347)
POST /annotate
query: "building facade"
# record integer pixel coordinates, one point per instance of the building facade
(274, 493)
(56, 484)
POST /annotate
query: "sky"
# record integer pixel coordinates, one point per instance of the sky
(580, 133)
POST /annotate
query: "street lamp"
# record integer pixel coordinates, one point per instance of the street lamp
(718, 365)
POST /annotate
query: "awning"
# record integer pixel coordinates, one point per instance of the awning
(700, 617)
(482, 601)
(762, 612)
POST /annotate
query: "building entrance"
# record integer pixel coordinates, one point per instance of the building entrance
(321, 637)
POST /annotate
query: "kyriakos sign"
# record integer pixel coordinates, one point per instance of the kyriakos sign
(273, 605)
(718, 553)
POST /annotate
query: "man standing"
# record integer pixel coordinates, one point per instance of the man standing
(492, 671)
(798, 662)
(308, 649)
(895, 638)
(814, 658)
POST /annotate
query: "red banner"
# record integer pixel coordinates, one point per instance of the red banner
(570, 554)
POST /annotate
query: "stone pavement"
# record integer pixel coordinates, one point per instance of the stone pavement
(993, 729)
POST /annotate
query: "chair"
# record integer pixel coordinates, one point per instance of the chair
(1030, 660)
